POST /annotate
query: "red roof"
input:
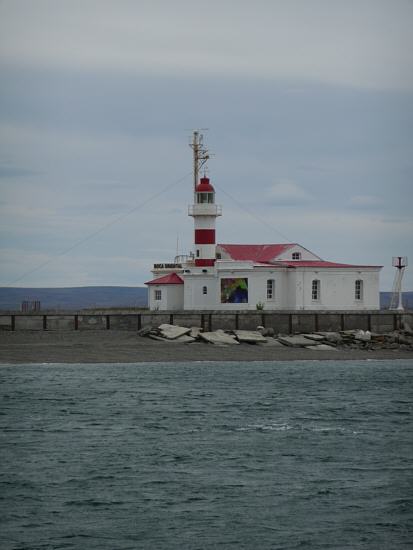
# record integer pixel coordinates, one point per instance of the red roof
(255, 252)
(204, 186)
(170, 279)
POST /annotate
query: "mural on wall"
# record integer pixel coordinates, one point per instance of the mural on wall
(234, 291)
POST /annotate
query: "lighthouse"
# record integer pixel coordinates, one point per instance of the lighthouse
(204, 210)
(230, 277)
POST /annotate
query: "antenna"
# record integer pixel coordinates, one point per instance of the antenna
(396, 302)
(200, 153)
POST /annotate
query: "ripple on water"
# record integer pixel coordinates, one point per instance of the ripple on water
(206, 455)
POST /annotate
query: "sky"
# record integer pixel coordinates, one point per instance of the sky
(308, 106)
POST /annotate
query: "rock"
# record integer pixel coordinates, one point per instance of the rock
(171, 332)
(405, 347)
(185, 339)
(322, 347)
(406, 326)
(297, 341)
(406, 340)
(249, 336)
(157, 338)
(332, 337)
(272, 342)
(363, 336)
(144, 331)
(195, 332)
(219, 337)
(265, 331)
(316, 337)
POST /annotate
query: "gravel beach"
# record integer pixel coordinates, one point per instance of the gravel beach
(127, 347)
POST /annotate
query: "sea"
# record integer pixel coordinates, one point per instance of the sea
(207, 455)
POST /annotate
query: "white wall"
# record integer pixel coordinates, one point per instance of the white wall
(172, 297)
(292, 290)
(257, 289)
(194, 297)
(337, 289)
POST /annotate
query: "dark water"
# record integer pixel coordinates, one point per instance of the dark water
(254, 455)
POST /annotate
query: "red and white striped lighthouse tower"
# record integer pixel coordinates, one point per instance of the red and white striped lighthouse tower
(204, 210)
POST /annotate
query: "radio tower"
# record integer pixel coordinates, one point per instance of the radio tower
(201, 154)
(400, 263)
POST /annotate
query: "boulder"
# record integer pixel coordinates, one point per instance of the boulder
(406, 325)
(332, 337)
(219, 337)
(297, 341)
(249, 336)
(171, 332)
(272, 342)
(363, 335)
(316, 337)
(157, 338)
(185, 339)
(195, 332)
(145, 331)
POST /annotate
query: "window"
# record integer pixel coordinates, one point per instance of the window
(158, 295)
(315, 289)
(197, 253)
(204, 198)
(358, 289)
(296, 255)
(204, 290)
(218, 255)
(270, 289)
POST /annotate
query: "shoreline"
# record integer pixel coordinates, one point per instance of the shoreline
(71, 347)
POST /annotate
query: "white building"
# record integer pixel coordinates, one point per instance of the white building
(263, 276)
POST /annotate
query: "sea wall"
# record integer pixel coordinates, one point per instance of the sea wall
(282, 322)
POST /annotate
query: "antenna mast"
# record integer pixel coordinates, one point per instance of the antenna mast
(200, 153)
(396, 302)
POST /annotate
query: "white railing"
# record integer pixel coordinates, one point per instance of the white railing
(184, 258)
(205, 209)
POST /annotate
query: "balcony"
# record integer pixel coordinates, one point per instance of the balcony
(205, 209)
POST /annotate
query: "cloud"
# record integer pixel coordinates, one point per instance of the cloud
(352, 43)
(96, 98)
(287, 193)
(366, 201)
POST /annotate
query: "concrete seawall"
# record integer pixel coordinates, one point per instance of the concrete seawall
(282, 322)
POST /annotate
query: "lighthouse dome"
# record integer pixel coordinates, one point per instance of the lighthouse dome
(204, 186)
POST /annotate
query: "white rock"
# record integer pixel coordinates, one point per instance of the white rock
(364, 336)
(334, 337)
(171, 332)
(316, 337)
(295, 341)
(252, 337)
(195, 332)
(185, 339)
(218, 337)
(157, 338)
(272, 342)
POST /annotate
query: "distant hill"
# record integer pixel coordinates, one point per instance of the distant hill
(75, 297)
(385, 300)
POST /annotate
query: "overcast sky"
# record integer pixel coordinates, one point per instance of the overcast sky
(309, 106)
